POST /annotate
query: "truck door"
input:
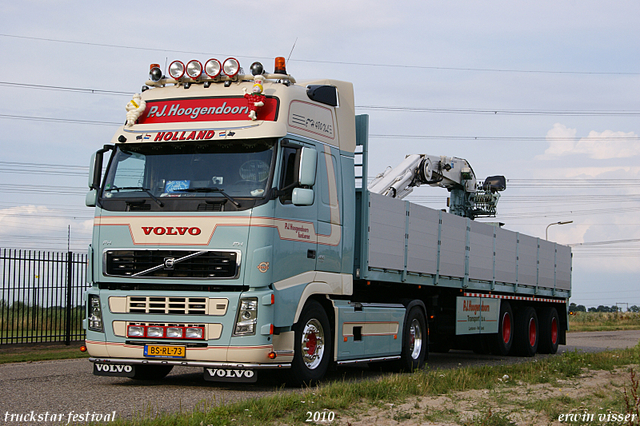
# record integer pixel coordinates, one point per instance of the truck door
(295, 251)
(329, 217)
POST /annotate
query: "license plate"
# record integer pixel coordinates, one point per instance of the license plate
(165, 351)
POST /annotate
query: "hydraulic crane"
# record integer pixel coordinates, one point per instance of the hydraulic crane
(469, 198)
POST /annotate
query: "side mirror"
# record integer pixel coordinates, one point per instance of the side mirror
(302, 197)
(307, 170)
(91, 198)
(95, 175)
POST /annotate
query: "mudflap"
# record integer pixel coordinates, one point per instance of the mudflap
(113, 369)
(234, 375)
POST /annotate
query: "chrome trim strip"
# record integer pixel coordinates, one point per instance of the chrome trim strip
(187, 363)
(379, 359)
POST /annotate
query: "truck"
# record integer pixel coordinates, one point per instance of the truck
(236, 232)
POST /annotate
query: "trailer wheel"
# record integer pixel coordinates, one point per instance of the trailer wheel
(415, 345)
(549, 331)
(502, 342)
(151, 372)
(527, 332)
(312, 345)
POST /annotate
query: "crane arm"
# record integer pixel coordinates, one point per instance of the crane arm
(468, 198)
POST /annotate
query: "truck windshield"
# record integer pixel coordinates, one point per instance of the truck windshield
(176, 174)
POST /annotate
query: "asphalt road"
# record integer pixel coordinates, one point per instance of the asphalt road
(66, 386)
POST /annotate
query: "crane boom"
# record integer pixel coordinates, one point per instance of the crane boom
(468, 197)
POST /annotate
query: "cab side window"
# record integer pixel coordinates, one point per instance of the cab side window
(289, 176)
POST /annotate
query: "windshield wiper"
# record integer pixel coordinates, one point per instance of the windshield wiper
(205, 189)
(138, 188)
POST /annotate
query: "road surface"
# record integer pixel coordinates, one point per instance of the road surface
(68, 386)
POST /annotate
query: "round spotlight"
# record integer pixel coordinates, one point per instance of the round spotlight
(155, 73)
(231, 67)
(212, 67)
(194, 69)
(176, 70)
(257, 68)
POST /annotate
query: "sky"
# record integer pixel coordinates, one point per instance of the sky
(545, 93)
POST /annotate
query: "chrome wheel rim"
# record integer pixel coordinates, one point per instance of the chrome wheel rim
(415, 333)
(312, 345)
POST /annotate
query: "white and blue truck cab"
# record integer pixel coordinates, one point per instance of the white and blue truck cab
(233, 233)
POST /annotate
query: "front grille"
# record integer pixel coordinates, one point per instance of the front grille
(172, 263)
(168, 305)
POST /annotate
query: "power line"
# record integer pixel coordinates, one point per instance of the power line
(483, 111)
(394, 65)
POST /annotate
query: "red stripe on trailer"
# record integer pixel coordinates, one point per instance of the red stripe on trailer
(499, 296)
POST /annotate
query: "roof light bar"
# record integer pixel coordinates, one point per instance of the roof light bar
(176, 70)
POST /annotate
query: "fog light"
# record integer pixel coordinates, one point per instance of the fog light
(155, 331)
(194, 333)
(135, 331)
(174, 332)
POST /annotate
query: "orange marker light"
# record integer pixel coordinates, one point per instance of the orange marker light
(83, 348)
(272, 355)
(280, 67)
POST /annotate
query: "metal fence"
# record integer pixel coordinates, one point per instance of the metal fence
(41, 296)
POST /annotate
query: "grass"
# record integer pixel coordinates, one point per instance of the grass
(40, 352)
(604, 321)
(355, 399)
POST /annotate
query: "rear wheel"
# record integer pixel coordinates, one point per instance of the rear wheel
(312, 345)
(414, 340)
(549, 331)
(526, 336)
(501, 343)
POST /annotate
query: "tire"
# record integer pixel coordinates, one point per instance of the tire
(549, 331)
(525, 341)
(415, 344)
(501, 343)
(312, 346)
(151, 372)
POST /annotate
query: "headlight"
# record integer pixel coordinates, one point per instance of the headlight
(135, 331)
(174, 332)
(94, 314)
(155, 331)
(194, 333)
(247, 317)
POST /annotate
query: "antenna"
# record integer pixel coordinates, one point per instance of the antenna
(293, 47)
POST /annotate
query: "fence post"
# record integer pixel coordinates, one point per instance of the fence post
(68, 303)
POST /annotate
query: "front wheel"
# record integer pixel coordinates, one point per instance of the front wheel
(312, 345)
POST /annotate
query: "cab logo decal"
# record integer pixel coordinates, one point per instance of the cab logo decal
(205, 109)
(263, 267)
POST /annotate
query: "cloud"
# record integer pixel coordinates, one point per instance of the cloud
(604, 145)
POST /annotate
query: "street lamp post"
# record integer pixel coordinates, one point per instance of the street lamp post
(546, 232)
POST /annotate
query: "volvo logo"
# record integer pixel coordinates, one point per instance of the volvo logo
(169, 263)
